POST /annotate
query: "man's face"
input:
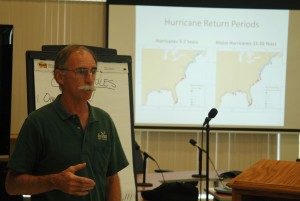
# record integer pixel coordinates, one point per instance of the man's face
(79, 76)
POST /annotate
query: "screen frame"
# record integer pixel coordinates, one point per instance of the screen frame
(6, 57)
(256, 4)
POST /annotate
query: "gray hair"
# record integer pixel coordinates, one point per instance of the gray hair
(63, 55)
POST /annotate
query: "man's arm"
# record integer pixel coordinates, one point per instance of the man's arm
(66, 181)
(113, 188)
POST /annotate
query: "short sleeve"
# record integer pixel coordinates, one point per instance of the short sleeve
(27, 149)
(118, 159)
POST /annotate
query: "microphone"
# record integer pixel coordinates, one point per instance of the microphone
(146, 155)
(199, 175)
(212, 113)
(194, 143)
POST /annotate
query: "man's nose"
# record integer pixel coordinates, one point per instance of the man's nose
(90, 76)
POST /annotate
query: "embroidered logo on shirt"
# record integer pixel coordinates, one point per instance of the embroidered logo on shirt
(102, 136)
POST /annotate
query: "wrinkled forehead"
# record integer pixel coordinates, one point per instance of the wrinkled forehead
(81, 58)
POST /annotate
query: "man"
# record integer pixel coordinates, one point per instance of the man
(59, 155)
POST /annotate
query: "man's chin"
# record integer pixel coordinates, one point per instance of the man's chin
(87, 94)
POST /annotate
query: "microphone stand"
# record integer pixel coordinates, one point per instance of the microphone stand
(207, 160)
(144, 173)
(199, 175)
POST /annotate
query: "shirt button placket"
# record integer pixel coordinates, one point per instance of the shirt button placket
(85, 141)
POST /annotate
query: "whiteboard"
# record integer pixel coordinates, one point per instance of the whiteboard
(113, 94)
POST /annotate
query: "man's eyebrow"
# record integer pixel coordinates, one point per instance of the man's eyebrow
(86, 67)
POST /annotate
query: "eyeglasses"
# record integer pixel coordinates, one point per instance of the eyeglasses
(82, 72)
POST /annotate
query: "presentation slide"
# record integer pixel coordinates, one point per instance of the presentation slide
(188, 60)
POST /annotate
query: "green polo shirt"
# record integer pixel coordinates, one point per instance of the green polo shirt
(51, 140)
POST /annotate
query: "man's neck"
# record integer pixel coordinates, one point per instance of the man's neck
(79, 108)
(74, 106)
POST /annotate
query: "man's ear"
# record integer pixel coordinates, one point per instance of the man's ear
(58, 75)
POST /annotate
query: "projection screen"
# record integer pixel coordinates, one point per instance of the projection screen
(188, 58)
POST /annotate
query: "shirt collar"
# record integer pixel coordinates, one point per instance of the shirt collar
(64, 115)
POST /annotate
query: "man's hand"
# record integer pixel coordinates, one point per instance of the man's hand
(70, 183)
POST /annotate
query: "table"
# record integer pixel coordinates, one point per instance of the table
(219, 196)
(157, 179)
(274, 180)
(170, 177)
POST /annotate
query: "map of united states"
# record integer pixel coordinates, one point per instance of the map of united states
(163, 70)
(239, 71)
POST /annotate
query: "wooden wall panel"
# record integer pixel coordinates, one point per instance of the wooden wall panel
(228, 151)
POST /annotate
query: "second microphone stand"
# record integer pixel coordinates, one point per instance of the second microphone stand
(144, 171)
(199, 175)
